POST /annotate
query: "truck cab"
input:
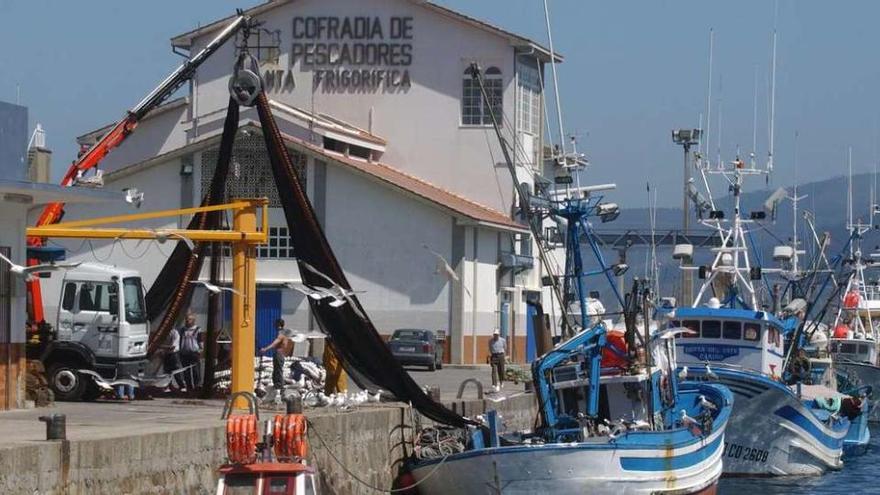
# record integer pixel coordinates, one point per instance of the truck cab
(102, 326)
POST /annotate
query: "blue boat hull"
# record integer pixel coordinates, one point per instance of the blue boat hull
(772, 432)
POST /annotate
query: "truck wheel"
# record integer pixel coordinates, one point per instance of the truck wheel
(66, 382)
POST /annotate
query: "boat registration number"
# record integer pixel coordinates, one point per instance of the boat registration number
(407, 349)
(736, 451)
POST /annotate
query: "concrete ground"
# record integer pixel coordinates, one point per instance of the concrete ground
(109, 419)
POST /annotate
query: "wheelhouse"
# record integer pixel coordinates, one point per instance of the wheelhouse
(741, 338)
(856, 350)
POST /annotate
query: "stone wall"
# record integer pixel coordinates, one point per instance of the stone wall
(371, 442)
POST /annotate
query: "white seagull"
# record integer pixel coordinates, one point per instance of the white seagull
(709, 373)
(683, 373)
(30, 272)
(706, 404)
(339, 294)
(444, 268)
(687, 420)
(214, 289)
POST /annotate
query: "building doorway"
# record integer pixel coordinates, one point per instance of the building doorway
(268, 310)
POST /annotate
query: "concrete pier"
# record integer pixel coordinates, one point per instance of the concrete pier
(169, 446)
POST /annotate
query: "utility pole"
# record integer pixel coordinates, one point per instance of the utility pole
(686, 138)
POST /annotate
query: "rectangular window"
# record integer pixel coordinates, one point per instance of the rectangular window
(474, 110)
(732, 330)
(94, 296)
(711, 329)
(69, 296)
(528, 99)
(280, 245)
(693, 326)
(752, 331)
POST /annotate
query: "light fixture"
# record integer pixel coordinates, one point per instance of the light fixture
(186, 169)
(687, 137)
(619, 269)
(608, 212)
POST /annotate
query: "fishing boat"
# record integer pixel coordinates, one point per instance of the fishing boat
(776, 427)
(853, 337)
(613, 416)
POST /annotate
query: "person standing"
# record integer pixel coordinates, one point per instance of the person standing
(283, 346)
(191, 351)
(171, 361)
(497, 356)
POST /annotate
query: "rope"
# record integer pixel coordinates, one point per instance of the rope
(364, 483)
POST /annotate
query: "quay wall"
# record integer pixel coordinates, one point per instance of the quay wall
(371, 442)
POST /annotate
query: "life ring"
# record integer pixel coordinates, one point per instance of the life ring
(241, 439)
(289, 432)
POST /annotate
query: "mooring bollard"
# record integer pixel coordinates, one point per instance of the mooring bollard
(56, 426)
(294, 404)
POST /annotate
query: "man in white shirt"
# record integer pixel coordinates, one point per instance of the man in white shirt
(191, 351)
(497, 356)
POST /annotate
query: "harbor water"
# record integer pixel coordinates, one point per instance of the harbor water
(860, 475)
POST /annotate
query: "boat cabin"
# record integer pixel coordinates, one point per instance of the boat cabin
(736, 337)
(857, 350)
(267, 479)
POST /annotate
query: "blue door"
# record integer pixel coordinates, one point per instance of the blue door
(268, 310)
(531, 338)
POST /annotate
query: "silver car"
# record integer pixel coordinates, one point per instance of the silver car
(416, 347)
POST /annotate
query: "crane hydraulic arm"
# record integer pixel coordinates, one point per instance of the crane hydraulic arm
(53, 212)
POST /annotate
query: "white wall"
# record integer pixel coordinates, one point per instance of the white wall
(421, 124)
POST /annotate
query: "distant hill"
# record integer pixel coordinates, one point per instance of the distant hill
(826, 200)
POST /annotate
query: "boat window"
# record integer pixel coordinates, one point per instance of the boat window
(711, 329)
(847, 348)
(752, 331)
(833, 346)
(732, 330)
(863, 348)
(240, 484)
(278, 485)
(693, 325)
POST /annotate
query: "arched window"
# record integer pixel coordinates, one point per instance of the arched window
(474, 111)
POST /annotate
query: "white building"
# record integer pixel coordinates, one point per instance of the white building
(397, 151)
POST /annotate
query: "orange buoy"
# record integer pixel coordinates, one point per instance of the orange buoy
(615, 358)
(851, 300)
(840, 331)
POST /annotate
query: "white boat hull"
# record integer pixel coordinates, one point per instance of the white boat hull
(770, 432)
(578, 468)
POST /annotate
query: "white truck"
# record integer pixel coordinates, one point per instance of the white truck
(102, 327)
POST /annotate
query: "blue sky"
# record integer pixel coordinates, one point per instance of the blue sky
(634, 70)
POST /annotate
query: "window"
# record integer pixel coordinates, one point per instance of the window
(473, 109)
(752, 332)
(773, 336)
(280, 245)
(711, 329)
(240, 484)
(280, 485)
(528, 99)
(692, 325)
(69, 296)
(94, 296)
(732, 330)
(848, 348)
(133, 293)
(863, 349)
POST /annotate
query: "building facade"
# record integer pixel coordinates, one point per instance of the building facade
(397, 150)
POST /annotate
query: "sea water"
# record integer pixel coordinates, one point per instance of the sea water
(860, 475)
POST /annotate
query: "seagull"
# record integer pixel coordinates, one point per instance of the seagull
(683, 373)
(339, 294)
(709, 373)
(29, 272)
(96, 180)
(706, 404)
(214, 289)
(444, 268)
(687, 420)
(163, 235)
(133, 196)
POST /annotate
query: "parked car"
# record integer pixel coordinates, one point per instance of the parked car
(416, 347)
